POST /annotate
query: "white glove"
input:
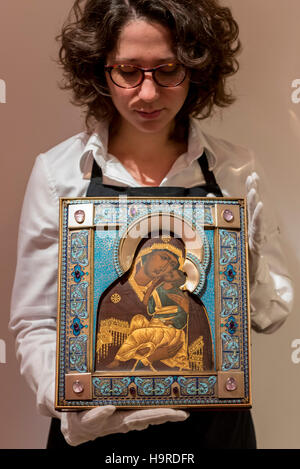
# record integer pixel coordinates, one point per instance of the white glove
(255, 226)
(80, 427)
(263, 297)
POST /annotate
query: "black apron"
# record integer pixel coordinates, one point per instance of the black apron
(212, 429)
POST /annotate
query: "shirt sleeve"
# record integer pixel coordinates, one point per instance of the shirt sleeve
(271, 293)
(34, 295)
(271, 289)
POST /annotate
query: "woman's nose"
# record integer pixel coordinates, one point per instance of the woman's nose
(148, 90)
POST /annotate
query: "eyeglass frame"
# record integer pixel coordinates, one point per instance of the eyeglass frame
(109, 68)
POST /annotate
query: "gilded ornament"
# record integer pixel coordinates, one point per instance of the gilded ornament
(115, 298)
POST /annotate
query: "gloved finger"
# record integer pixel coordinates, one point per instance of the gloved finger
(257, 219)
(256, 228)
(252, 182)
(143, 418)
(92, 418)
(248, 183)
(252, 201)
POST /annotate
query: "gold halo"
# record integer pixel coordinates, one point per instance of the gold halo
(192, 275)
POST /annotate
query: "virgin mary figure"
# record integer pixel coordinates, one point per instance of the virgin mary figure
(148, 321)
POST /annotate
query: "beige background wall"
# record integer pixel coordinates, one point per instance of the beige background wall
(35, 115)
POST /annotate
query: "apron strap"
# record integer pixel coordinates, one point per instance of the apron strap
(203, 162)
(96, 172)
(208, 175)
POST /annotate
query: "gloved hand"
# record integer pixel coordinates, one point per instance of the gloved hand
(262, 293)
(255, 226)
(80, 427)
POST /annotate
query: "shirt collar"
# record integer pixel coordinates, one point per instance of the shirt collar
(96, 148)
(198, 142)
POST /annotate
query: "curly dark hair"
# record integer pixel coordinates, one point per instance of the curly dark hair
(205, 39)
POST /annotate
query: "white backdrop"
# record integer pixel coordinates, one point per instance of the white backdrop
(35, 115)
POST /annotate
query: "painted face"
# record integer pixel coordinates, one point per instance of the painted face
(149, 107)
(174, 276)
(159, 263)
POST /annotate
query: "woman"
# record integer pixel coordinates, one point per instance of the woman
(146, 71)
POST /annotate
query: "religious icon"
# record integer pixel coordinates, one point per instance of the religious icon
(153, 304)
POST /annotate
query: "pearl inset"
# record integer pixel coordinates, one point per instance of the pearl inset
(231, 384)
(79, 216)
(133, 211)
(78, 387)
(228, 215)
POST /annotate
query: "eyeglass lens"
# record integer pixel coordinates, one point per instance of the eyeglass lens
(128, 76)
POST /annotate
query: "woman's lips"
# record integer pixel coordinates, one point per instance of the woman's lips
(150, 115)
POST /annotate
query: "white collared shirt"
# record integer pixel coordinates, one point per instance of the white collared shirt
(64, 171)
